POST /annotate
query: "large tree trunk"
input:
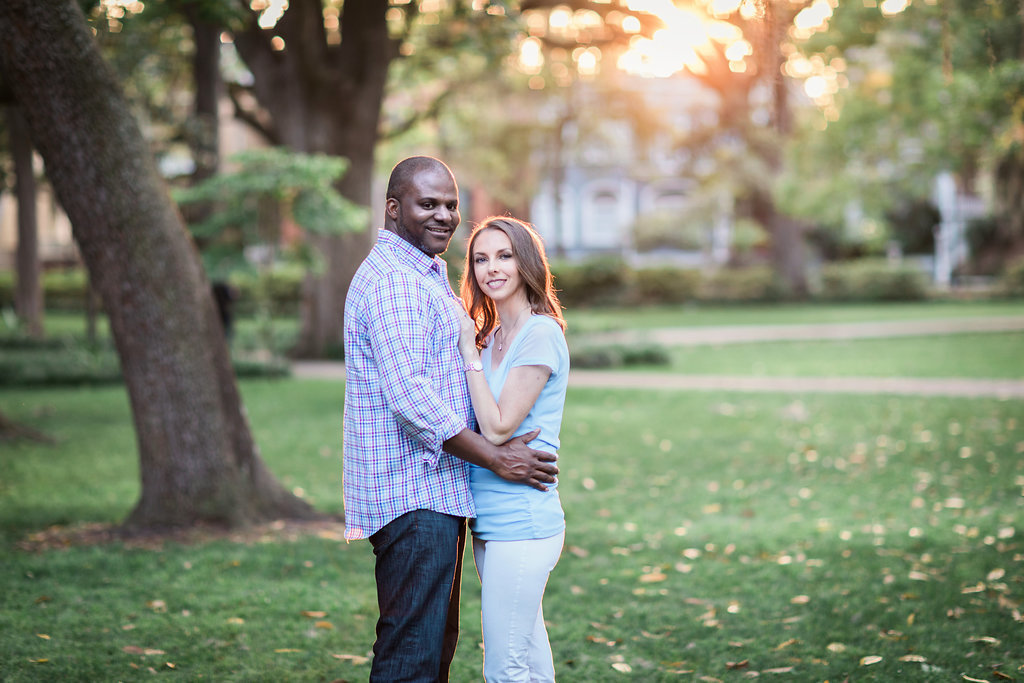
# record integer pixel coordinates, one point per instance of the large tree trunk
(326, 98)
(28, 294)
(197, 456)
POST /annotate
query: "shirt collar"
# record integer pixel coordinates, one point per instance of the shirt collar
(409, 254)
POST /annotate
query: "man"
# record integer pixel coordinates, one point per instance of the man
(408, 427)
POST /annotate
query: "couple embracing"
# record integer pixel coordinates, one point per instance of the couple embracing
(452, 413)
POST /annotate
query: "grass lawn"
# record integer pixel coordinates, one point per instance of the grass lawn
(607, 319)
(988, 355)
(710, 536)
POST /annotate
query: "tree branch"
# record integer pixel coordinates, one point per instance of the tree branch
(250, 117)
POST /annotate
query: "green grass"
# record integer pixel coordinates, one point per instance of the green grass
(607, 319)
(987, 355)
(793, 533)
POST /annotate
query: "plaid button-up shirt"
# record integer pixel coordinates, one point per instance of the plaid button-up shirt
(405, 390)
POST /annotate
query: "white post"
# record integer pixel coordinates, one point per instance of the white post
(945, 199)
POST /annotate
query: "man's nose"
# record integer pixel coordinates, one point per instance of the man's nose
(442, 213)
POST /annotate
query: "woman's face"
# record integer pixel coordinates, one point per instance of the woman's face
(494, 265)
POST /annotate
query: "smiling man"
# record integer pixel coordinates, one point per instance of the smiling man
(408, 427)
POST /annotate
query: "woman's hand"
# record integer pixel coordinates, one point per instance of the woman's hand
(467, 336)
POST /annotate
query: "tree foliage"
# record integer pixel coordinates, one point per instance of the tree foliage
(936, 87)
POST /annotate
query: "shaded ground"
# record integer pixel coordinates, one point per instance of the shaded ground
(736, 334)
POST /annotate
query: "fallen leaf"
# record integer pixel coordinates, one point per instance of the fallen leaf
(975, 680)
(236, 620)
(43, 636)
(170, 665)
(784, 645)
(136, 650)
(986, 640)
(835, 647)
(157, 605)
(286, 649)
(734, 666)
(313, 615)
(1000, 675)
(800, 599)
(869, 660)
(355, 659)
(324, 625)
(779, 670)
(622, 667)
(913, 658)
(653, 577)
(995, 575)
(38, 661)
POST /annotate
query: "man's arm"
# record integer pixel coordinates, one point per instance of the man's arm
(513, 460)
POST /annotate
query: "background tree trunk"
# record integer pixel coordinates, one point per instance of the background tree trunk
(198, 459)
(325, 98)
(28, 295)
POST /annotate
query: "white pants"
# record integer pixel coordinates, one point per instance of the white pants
(513, 575)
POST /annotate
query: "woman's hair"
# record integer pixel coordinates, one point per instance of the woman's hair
(532, 263)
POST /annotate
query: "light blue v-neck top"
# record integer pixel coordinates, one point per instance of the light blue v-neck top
(506, 511)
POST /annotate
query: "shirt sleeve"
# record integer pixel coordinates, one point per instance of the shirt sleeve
(399, 325)
(542, 344)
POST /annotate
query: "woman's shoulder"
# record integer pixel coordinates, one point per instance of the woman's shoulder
(546, 323)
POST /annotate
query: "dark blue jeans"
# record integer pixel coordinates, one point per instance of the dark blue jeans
(419, 574)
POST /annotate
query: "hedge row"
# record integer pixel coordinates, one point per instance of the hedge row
(599, 282)
(608, 282)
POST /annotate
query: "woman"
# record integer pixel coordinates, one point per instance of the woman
(517, 366)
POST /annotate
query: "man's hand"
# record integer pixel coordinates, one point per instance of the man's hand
(519, 463)
(512, 460)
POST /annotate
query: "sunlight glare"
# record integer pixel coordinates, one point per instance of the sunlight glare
(891, 7)
(531, 56)
(670, 49)
(273, 11)
(723, 7)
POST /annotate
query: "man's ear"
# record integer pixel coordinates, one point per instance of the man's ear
(391, 208)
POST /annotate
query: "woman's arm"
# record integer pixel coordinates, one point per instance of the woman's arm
(499, 419)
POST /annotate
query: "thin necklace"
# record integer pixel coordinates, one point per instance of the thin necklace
(516, 328)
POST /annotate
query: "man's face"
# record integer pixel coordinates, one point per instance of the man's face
(427, 213)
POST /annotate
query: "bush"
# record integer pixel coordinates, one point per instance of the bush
(754, 283)
(912, 223)
(63, 290)
(872, 280)
(282, 287)
(595, 357)
(1012, 281)
(602, 281)
(665, 285)
(66, 362)
(668, 230)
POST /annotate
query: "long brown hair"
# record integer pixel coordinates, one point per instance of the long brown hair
(532, 264)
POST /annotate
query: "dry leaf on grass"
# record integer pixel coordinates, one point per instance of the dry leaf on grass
(869, 660)
(913, 658)
(136, 650)
(313, 614)
(355, 659)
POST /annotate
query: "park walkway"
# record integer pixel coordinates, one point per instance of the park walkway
(734, 334)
